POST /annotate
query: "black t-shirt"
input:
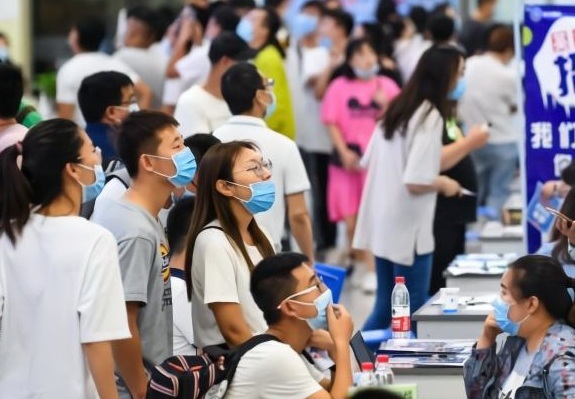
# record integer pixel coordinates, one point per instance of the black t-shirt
(458, 210)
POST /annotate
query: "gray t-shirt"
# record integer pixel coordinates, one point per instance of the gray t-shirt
(144, 264)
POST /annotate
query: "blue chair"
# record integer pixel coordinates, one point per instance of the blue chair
(374, 338)
(333, 277)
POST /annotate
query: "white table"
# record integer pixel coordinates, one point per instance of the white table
(467, 323)
(473, 282)
(433, 382)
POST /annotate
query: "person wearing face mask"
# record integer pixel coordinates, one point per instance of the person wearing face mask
(351, 107)
(491, 97)
(156, 159)
(225, 243)
(259, 29)
(60, 286)
(404, 160)
(299, 311)
(537, 358)
(249, 97)
(106, 99)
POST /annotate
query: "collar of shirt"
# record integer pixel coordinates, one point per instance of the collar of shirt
(247, 120)
(177, 273)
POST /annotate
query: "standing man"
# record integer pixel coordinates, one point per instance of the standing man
(249, 96)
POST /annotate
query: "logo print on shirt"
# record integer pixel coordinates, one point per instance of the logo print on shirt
(165, 252)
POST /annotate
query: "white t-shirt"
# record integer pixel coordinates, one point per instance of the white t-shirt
(408, 52)
(71, 74)
(150, 64)
(393, 223)
(518, 374)
(273, 370)
(220, 274)
(200, 112)
(60, 287)
(195, 66)
(491, 93)
(305, 63)
(288, 174)
(182, 311)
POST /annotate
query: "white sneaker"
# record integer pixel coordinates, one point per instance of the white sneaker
(369, 283)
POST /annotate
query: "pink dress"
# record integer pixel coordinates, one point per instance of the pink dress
(349, 105)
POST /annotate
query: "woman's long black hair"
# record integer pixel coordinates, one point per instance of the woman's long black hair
(273, 23)
(45, 150)
(432, 81)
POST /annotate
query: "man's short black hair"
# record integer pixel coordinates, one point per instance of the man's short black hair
(91, 32)
(568, 174)
(248, 4)
(178, 224)
(418, 16)
(139, 135)
(100, 90)
(200, 143)
(226, 18)
(149, 17)
(441, 27)
(272, 281)
(317, 4)
(11, 89)
(229, 44)
(239, 86)
(342, 19)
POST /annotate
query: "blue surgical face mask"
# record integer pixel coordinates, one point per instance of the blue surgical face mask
(319, 321)
(273, 106)
(91, 191)
(501, 312)
(366, 74)
(325, 42)
(303, 25)
(185, 164)
(4, 54)
(263, 196)
(459, 89)
(245, 30)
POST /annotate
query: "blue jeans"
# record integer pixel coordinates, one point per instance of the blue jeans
(417, 278)
(495, 165)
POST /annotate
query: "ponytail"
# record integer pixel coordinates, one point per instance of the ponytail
(45, 151)
(15, 193)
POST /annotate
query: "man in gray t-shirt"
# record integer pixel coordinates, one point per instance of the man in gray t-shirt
(157, 161)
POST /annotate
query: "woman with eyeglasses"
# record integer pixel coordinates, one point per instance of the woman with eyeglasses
(61, 296)
(225, 243)
(537, 357)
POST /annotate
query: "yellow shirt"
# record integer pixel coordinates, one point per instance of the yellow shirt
(270, 63)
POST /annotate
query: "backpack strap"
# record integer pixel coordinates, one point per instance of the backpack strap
(245, 348)
(120, 174)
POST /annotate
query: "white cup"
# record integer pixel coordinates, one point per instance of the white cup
(450, 300)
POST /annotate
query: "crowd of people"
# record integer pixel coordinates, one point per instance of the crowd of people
(195, 176)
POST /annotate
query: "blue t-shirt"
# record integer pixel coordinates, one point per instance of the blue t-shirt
(102, 136)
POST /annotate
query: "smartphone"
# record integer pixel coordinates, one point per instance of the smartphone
(360, 349)
(560, 216)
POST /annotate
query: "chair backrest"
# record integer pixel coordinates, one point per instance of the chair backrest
(333, 277)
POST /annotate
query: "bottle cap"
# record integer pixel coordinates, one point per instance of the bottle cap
(367, 366)
(400, 280)
(382, 358)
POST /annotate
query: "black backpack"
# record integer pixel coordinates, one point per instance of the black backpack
(205, 376)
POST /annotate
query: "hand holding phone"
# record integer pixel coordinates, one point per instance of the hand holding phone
(560, 216)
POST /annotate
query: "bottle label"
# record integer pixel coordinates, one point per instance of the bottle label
(400, 320)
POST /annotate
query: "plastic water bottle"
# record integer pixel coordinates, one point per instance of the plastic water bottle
(400, 317)
(383, 373)
(367, 377)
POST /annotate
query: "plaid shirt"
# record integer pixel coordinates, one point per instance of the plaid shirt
(552, 373)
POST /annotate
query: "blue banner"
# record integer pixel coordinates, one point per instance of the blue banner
(549, 83)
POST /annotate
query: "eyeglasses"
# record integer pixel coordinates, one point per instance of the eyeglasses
(258, 168)
(319, 285)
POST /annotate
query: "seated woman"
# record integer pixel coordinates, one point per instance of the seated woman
(558, 247)
(537, 359)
